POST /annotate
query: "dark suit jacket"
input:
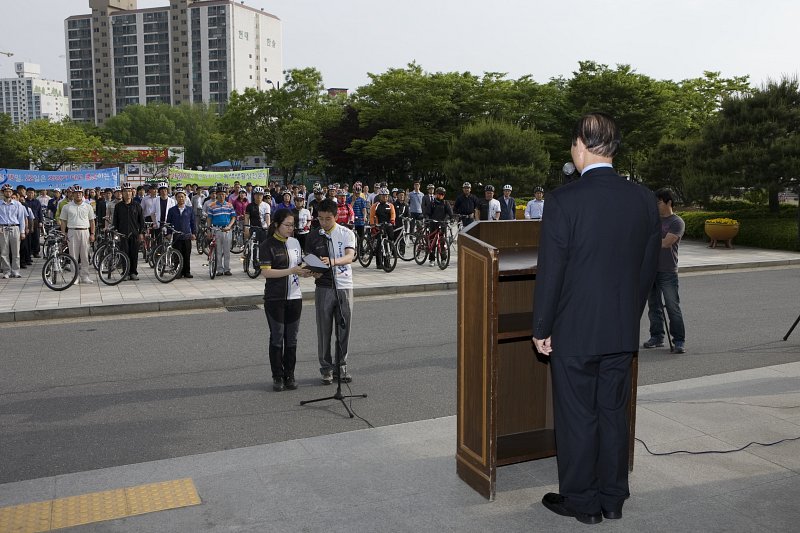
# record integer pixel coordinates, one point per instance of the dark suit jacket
(598, 254)
(426, 203)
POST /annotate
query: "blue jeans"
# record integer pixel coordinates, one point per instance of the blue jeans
(667, 284)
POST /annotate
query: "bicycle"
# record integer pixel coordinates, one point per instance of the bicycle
(211, 250)
(237, 236)
(404, 240)
(115, 265)
(202, 232)
(433, 241)
(170, 261)
(60, 270)
(250, 253)
(149, 243)
(386, 246)
(365, 247)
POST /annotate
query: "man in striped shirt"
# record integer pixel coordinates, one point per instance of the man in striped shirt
(222, 217)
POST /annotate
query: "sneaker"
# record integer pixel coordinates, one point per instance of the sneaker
(290, 383)
(7, 275)
(86, 281)
(432, 263)
(679, 347)
(133, 277)
(654, 343)
(228, 273)
(277, 384)
(327, 377)
(346, 377)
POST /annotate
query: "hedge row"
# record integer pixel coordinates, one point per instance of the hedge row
(757, 227)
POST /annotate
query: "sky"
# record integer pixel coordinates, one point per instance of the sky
(348, 39)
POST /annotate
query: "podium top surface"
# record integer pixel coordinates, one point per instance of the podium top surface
(518, 261)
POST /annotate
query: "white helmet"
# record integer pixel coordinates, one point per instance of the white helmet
(258, 190)
(163, 185)
(506, 187)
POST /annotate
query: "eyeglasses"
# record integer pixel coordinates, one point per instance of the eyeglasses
(287, 225)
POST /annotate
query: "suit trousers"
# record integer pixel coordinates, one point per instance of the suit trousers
(184, 246)
(9, 249)
(328, 315)
(590, 408)
(223, 250)
(130, 245)
(79, 249)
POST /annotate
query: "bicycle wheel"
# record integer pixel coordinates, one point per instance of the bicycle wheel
(405, 247)
(60, 272)
(442, 254)
(365, 258)
(114, 268)
(237, 240)
(212, 262)
(420, 250)
(200, 242)
(98, 256)
(168, 265)
(389, 252)
(251, 265)
(158, 252)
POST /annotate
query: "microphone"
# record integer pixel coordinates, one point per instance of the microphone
(324, 233)
(568, 169)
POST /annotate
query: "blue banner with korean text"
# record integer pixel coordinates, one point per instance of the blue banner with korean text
(41, 179)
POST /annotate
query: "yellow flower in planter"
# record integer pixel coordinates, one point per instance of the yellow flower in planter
(724, 221)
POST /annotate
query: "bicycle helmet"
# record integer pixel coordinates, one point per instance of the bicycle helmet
(6, 187)
(180, 190)
(56, 189)
(383, 191)
(440, 190)
(430, 186)
(163, 185)
(341, 192)
(538, 189)
(258, 190)
(466, 185)
(489, 188)
(394, 190)
(506, 187)
(212, 190)
(127, 185)
(331, 187)
(117, 188)
(77, 188)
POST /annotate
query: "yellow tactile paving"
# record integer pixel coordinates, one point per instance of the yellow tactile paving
(98, 506)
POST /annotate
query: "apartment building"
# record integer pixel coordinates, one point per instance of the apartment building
(29, 97)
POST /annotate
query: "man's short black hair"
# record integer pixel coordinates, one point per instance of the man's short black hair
(599, 133)
(666, 195)
(328, 206)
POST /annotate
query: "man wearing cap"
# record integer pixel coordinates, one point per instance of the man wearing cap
(12, 230)
(508, 207)
(223, 218)
(181, 217)
(488, 207)
(129, 220)
(77, 221)
(465, 205)
(535, 207)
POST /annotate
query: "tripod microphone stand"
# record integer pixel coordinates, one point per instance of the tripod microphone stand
(341, 323)
(791, 329)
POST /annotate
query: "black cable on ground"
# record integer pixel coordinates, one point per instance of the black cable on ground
(706, 452)
(350, 391)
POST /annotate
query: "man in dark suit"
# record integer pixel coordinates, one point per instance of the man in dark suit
(598, 255)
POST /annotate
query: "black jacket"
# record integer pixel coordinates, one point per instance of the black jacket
(598, 255)
(128, 218)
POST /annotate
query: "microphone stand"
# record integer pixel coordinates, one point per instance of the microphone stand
(341, 323)
(791, 329)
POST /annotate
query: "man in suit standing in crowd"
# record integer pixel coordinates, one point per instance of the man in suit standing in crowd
(593, 277)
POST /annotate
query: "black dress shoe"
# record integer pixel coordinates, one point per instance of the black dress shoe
(612, 515)
(558, 504)
(277, 384)
(290, 383)
(188, 276)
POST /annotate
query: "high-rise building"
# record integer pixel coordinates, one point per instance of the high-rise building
(189, 51)
(29, 97)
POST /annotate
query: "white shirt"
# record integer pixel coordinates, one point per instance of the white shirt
(343, 238)
(494, 208)
(534, 209)
(303, 220)
(44, 200)
(264, 211)
(77, 215)
(295, 258)
(149, 205)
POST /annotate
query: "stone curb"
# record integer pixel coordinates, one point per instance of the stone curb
(198, 303)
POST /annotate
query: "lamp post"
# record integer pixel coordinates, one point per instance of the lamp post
(274, 86)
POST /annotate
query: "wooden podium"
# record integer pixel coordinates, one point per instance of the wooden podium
(504, 399)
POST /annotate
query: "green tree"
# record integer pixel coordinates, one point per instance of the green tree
(497, 152)
(49, 145)
(11, 154)
(145, 125)
(756, 138)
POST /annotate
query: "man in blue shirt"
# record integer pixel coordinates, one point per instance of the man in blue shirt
(12, 230)
(415, 202)
(181, 217)
(223, 216)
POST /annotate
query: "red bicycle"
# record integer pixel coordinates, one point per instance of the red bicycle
(432, 242)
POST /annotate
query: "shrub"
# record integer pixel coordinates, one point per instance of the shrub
(757, 227)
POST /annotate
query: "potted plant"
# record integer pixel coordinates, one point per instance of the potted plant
(721, 229)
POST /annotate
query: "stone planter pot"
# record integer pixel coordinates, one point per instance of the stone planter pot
(721, 232)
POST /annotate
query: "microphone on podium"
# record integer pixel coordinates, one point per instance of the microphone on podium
(568, 169)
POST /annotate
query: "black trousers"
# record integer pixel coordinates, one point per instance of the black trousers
(34, 237)
(184, 246)
(130, 246)
(590, 408)
(25, 250)
(283, 318)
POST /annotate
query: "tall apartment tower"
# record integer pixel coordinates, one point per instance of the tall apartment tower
(189, 51)
(29, 97)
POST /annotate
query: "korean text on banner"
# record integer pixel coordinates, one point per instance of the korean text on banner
(259, 176)
(42, 179)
